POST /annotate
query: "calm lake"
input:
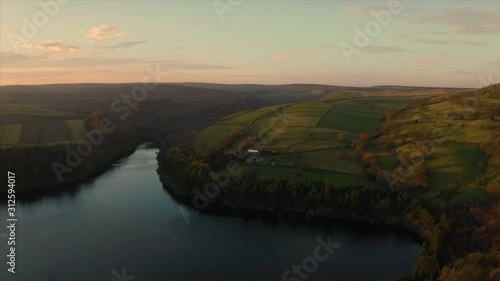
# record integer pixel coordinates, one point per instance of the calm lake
(123, 225)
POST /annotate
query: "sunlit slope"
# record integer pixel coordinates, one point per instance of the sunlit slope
(456, 138)
(301, 140)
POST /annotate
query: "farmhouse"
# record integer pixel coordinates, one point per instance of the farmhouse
(254, 152)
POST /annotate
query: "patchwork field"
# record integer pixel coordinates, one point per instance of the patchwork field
(450, 134)
(31, 125)
(212, 136)
(249, 117)
(312, 139)
(30, 110)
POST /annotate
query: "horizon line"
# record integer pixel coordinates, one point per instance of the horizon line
(239, 84)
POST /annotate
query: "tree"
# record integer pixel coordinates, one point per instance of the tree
(342, 137)
(493, 187)
(359, 144)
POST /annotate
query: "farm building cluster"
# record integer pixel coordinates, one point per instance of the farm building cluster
(252, 156)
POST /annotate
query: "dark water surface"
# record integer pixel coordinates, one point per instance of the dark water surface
(124, 224)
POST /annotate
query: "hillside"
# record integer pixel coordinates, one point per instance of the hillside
(447, 145)
(171, 111)
(440, 144)
(29, 125)
(429, 164)
(309, 140)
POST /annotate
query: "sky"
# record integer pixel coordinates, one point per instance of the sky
(416, 43)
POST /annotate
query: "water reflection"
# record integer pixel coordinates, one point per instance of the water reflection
(124, 218)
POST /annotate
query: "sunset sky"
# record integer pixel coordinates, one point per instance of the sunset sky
(448, 43)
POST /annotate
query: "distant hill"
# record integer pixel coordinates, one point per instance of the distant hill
(179, 108)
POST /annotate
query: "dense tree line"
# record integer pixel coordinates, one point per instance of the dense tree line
(193, 176)
(492, 147)
(409, 173)
(475, 242)
(473, 230)
(477, 100)
(40, 166)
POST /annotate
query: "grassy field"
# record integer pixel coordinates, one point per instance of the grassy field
(306, 139)
(349, 122)
(10, 134)
(356, 116)
(251, 116)
(30, 110)
(31, 125)
(443, 196)
(329, 160)
(76, 127)
(306, 136)
(457, 170)
(454, 165)
(212, 136)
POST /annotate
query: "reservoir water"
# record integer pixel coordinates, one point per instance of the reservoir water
(123, 225)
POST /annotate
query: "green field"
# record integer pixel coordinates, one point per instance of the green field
(452, 171)
(354, 116)
(306, 137)
(329, 160)
(30, 110)
(455, 165)
(212, 136)
(76, 129)
(441, 197)
(349, 123)
(456, 169)
(311, 130)
(251, 116)
(32, 125)
(10, 134)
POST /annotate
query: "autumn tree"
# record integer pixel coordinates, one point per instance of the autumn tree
(342, 137)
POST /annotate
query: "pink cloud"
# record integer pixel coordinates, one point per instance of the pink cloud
(56, 45)
(103, 33)
(279, 56)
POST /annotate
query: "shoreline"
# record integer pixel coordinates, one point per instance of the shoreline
(272, 215)
(73, 184)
